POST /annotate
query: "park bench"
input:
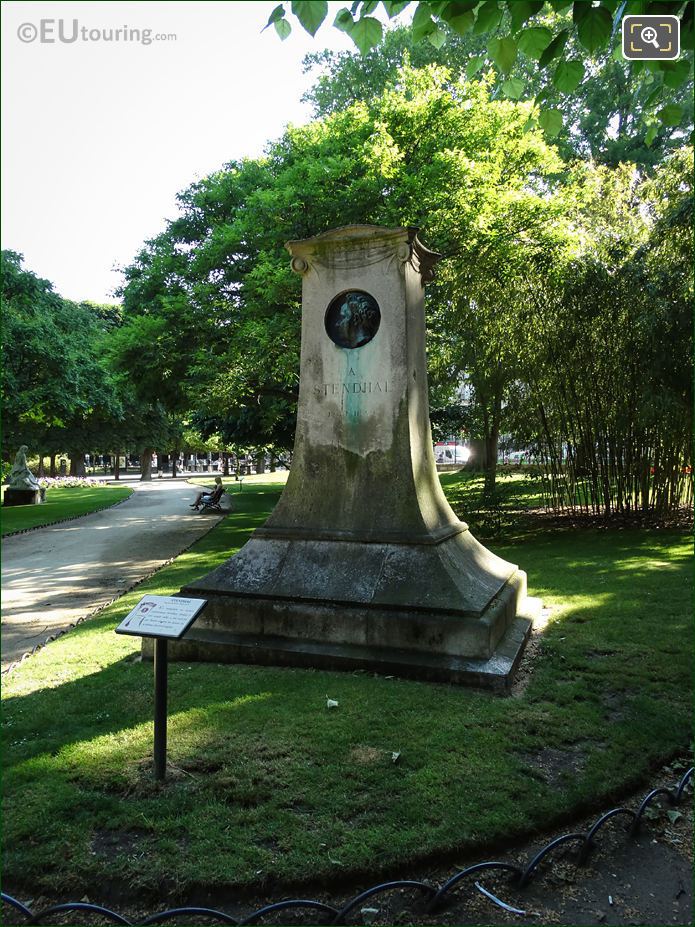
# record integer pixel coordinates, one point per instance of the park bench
(212, 504)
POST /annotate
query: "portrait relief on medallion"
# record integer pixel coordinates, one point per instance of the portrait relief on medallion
(352, 319)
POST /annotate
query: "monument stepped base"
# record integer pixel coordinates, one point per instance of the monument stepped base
(496, 672)
(433, 646)
(441, 610)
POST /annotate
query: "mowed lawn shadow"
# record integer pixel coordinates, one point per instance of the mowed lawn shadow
(254, 751)
(612, 577)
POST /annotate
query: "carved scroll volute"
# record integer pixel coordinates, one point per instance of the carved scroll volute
(423, 260)
(299, 265)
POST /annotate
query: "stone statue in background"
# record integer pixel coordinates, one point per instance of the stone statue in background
(21, 476)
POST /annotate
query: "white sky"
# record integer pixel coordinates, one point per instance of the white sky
(98, 137)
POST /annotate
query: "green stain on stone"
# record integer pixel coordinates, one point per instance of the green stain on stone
(351, 396)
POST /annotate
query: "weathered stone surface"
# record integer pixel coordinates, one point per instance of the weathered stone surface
(21, 496)
(363, 561)
(23, 487)
(495, 672)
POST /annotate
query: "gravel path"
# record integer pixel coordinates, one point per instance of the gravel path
(55, 575)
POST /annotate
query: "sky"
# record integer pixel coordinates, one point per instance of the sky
(99, 136)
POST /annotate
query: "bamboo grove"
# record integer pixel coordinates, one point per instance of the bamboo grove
(613, 371)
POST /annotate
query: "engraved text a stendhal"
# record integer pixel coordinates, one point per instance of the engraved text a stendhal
(366, 387)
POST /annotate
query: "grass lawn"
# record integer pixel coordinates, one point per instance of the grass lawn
(61, 503)
(266, 784)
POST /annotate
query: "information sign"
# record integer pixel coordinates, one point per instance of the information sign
(164, 616)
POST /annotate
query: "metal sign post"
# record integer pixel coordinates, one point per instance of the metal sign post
(161, 667)
(163, 618)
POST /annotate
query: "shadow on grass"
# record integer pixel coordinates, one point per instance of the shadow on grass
(616, 590)
(515, 510)
(265, 778)
(208, 552)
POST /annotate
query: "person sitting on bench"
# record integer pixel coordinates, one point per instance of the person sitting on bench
(209, 496)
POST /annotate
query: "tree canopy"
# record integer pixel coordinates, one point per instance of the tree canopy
(559, 314)
(559, 44)
(527, 236)
(57, 392)
(61, 391)
(606, 116)
(217, 281)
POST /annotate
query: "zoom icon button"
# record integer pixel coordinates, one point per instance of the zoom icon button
(651, 38)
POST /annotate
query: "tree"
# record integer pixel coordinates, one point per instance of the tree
(431, 151)
(564, 35)
(610, 386)
(61, 390)
(539, 269)
(196, 284)
(57, 392)
(606, 117)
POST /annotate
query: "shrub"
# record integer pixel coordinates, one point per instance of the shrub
(68, 482)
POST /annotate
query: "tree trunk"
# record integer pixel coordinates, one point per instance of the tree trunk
(41, 472)
(273, 463)
(174, 458)
(260, 463)
(77, 464)
(491, 442)
(52, 470)
(492, 435)
(146, 464)
(476, 462)
(163, 462)
(225, 462)
(117, 465)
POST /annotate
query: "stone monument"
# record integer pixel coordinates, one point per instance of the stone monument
(23, 488)
(363, 564)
